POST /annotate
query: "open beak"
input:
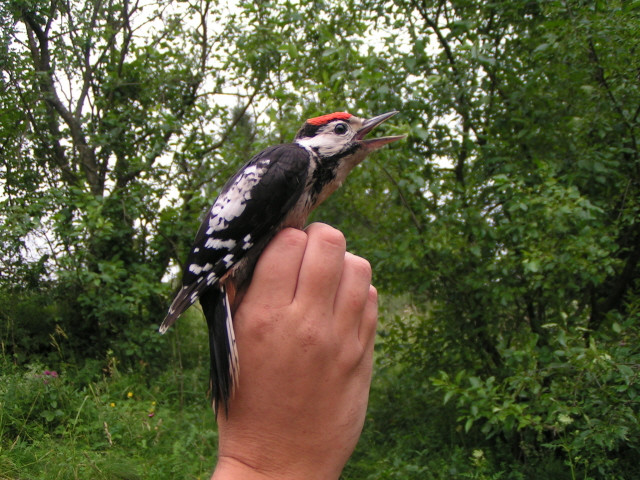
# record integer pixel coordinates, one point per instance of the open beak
(368, 125)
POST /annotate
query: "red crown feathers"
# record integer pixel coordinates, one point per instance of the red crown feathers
(321, 120)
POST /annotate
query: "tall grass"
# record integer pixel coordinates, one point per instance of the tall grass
(94, 421)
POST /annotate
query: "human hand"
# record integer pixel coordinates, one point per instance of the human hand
(305, 333)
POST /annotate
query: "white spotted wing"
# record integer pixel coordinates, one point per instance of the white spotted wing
(249, 209)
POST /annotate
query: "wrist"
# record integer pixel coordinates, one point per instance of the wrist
(231, 468)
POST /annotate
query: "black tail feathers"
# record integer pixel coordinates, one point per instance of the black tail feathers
(222, 349)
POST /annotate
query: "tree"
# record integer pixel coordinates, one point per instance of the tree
(110, 145)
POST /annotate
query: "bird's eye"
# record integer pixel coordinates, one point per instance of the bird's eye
(340, 129)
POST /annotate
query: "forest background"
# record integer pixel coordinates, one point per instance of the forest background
(504, 233)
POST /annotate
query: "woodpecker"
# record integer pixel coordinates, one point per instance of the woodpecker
(277, 188)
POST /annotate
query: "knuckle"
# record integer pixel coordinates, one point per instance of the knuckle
(370, 320)
(362, 266)
(293, 237)
(328, 235)
(355, 303)
(373, 296)
(371, 314)
(349, 358)
(259, 327)
(334, 237)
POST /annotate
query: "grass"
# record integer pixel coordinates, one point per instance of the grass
(62, 421)
(118, 427)
(132, 425)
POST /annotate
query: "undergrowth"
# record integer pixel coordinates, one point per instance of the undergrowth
(113, 419)
(62, 421)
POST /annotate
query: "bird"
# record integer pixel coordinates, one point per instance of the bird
(277, 188)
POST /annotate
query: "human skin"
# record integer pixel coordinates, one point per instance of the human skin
(305, 333)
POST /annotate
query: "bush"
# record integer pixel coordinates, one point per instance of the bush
(570, 400)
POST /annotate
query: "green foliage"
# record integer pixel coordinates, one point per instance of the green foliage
(566, 411)
(581, 400)
(107, 424)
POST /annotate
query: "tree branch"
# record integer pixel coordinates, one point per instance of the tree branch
(403, 199)
(461, 98)
(232, 125)
(42, 62)
(602, 80)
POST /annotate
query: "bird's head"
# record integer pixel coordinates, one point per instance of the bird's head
(338, 144)
(340, 135)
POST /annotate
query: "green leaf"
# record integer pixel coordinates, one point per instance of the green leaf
(468, 424)
(447, 396)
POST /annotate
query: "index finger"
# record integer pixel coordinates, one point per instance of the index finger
(276, 274)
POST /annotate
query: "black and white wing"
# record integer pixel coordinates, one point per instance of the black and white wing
(248, 210)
